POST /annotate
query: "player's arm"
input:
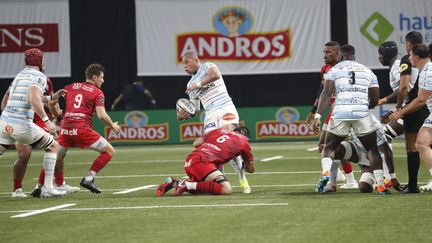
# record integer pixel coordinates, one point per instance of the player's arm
(116, 101)
(5, 99)
(54, 108)
(403, 90)
(106, 119)
(373, 93)
(414, 105)
(323, 102)
(149, 95)
(35, 99)
(248, 159)
(213, 74)
(389, 98)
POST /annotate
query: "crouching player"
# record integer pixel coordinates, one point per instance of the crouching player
(353, 150)
(202, 165)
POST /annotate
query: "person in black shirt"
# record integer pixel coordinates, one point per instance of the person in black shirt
(412, 121)
(133, 97)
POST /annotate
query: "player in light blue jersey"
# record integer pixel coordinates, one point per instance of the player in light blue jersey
(356, 89)
(16, 122)
(207, 87)
(419, 58)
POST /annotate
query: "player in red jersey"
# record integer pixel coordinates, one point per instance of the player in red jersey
(82, 101)
(202, 165)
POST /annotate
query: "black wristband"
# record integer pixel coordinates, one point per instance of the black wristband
(314, 109)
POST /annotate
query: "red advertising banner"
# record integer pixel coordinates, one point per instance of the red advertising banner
(20, 37)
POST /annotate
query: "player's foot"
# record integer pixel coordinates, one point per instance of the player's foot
(322, 182)
(329, 188)
(45, 192)
(408, 190)
(180, 188)
(90, 185)
(36, 191)
(382, 190)
(347, 185)
(18, 193)
(387, 183)
(68, 189)
(169, 184)
(427, 187)
(396, 185)
(245, 185)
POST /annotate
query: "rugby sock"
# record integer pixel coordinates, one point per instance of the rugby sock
(386, 170)
(413, 168)
(17, 184)
(350, 178)
(191, 186)
(209, 187)
(100, 162)
(347, 167)
(59, 178)
(326, 164)
(49, 164)
(90, 175)
(41, 177)
(334, 171)
(379, 176)
(237, 165)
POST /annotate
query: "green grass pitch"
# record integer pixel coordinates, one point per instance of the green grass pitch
(283, 206)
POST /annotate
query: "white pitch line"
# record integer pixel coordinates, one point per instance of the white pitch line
(135, 189)
(272, 158)
(45, 210)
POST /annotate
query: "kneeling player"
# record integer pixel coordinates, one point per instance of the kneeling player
(219, 147)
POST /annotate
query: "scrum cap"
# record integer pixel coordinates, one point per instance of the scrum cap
(34, 57)
(388, 49)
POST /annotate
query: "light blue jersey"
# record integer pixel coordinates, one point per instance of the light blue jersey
(18, 109)
(425, 82)
(213, 95)
(352, 81)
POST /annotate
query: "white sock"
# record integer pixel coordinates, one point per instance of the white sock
(386, 170)
(334, 171)
(48, 165)
(191, 185)
(90, 175)
(237, 165)
(326, 164)
(379, 176)
(350, 178)
(430, 171)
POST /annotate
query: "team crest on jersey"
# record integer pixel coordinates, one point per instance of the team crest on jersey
(231, 39)
(76, 85)
(9, 129)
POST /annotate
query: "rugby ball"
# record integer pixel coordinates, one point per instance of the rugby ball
(187, 105)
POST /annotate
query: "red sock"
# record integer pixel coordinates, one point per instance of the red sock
(17, 184)
(41, 179)
(209, 187)
(347, 167)
(100, 162)
(59, 178)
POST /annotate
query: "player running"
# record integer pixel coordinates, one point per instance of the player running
(207, 86)
(82, 101)
(203, 164)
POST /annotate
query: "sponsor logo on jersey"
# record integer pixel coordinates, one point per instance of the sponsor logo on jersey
(229, 117)
(76, 85)
(20, 37)
(232, 39)
(69, 132)
(403, 67)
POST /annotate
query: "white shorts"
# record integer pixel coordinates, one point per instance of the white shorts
(361, 127)
(361, 154)
(27, 133)
(428, 121)
(220, 117)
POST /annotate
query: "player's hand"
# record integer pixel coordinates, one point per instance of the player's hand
(191, 88)
(182, 115)
(382, 101)
(309, 118)
(385, 118)
(58, 94)
(316, 125)
(51, 127)
(116, 127)
(395, 116)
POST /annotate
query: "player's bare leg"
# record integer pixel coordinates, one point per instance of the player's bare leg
(423, 144)
(106, 151)
(215, 183)
(20, 166)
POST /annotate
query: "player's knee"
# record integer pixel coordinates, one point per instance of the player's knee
(366, 182)
(110, 150)
(365, 187)
(24, 154)
(53, 147)
(226, 188)
(422, 145)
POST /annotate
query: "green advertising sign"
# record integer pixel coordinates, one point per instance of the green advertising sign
(161, 127)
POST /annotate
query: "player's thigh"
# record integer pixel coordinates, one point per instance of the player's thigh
(102, 145)
(364, 126)
(349, 151)
(36, 137)
(339, 128)
(24, 151)
(197, 169)
(5, 134)
(424, 137)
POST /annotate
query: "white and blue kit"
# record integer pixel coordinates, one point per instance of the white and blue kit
(425, 83)
(218, 105)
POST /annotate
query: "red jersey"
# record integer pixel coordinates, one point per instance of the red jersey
(81, 101)
(324, 69)
(221, 146)
(49, 91)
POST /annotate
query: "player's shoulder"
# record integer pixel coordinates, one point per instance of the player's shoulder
(428, 69)
(405, 60)
(208, 65)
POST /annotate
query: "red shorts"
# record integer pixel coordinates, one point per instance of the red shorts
(196, 169)
(328, 117)
(75, 137)
(41, 124)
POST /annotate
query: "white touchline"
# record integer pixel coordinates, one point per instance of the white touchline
(135, 189)
(271, 158)
(45, 210)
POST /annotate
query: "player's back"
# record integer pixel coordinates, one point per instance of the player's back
(18, 107)
(352, 81)
(221, 146)
(81, 101)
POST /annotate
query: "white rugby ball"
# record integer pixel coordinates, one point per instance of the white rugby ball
(187, 105)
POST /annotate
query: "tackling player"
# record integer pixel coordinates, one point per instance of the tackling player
(202, 165)
(82, 101)
(207, 86)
